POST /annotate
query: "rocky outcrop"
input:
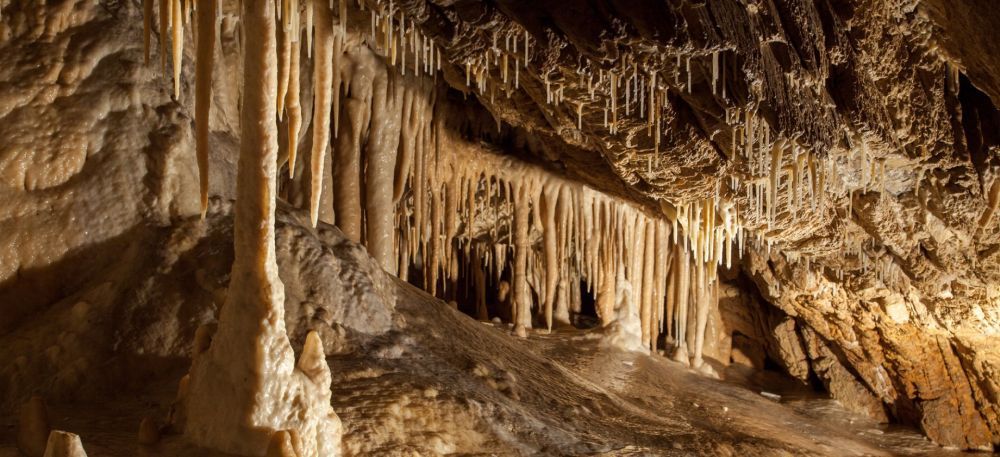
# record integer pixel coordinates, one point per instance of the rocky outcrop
(841, 383)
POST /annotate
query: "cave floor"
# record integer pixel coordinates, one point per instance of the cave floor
(442, 383)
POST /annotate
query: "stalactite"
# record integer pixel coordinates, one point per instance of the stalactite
(775, 173)
(284, 34)
(293, 105)
(322, 100)
(648, 270)
(432, 261)
(177, 41)
(206, 18)
(450, 226)
(309, 27)
(549, 246)
(683, 289)
(381, 160)
(660, 271)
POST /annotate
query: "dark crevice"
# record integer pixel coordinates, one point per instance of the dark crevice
(980, 123)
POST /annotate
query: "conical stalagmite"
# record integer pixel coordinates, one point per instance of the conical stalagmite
(64, 444)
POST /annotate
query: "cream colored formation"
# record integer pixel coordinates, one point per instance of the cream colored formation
(245, 389)
(585, 236)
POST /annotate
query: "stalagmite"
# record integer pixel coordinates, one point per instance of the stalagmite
(206, 16)
(64, 444)
(322, 79)
(247, 385)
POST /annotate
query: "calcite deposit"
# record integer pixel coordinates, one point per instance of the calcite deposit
(724, 227)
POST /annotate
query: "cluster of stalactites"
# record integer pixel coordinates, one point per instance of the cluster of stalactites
(311, 20)
(398, 40)
(460, 213)
(508, 56)
(628, 90)
(789, 181)
(466, 214)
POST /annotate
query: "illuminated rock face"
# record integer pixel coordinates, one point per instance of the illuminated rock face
(841, 156)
